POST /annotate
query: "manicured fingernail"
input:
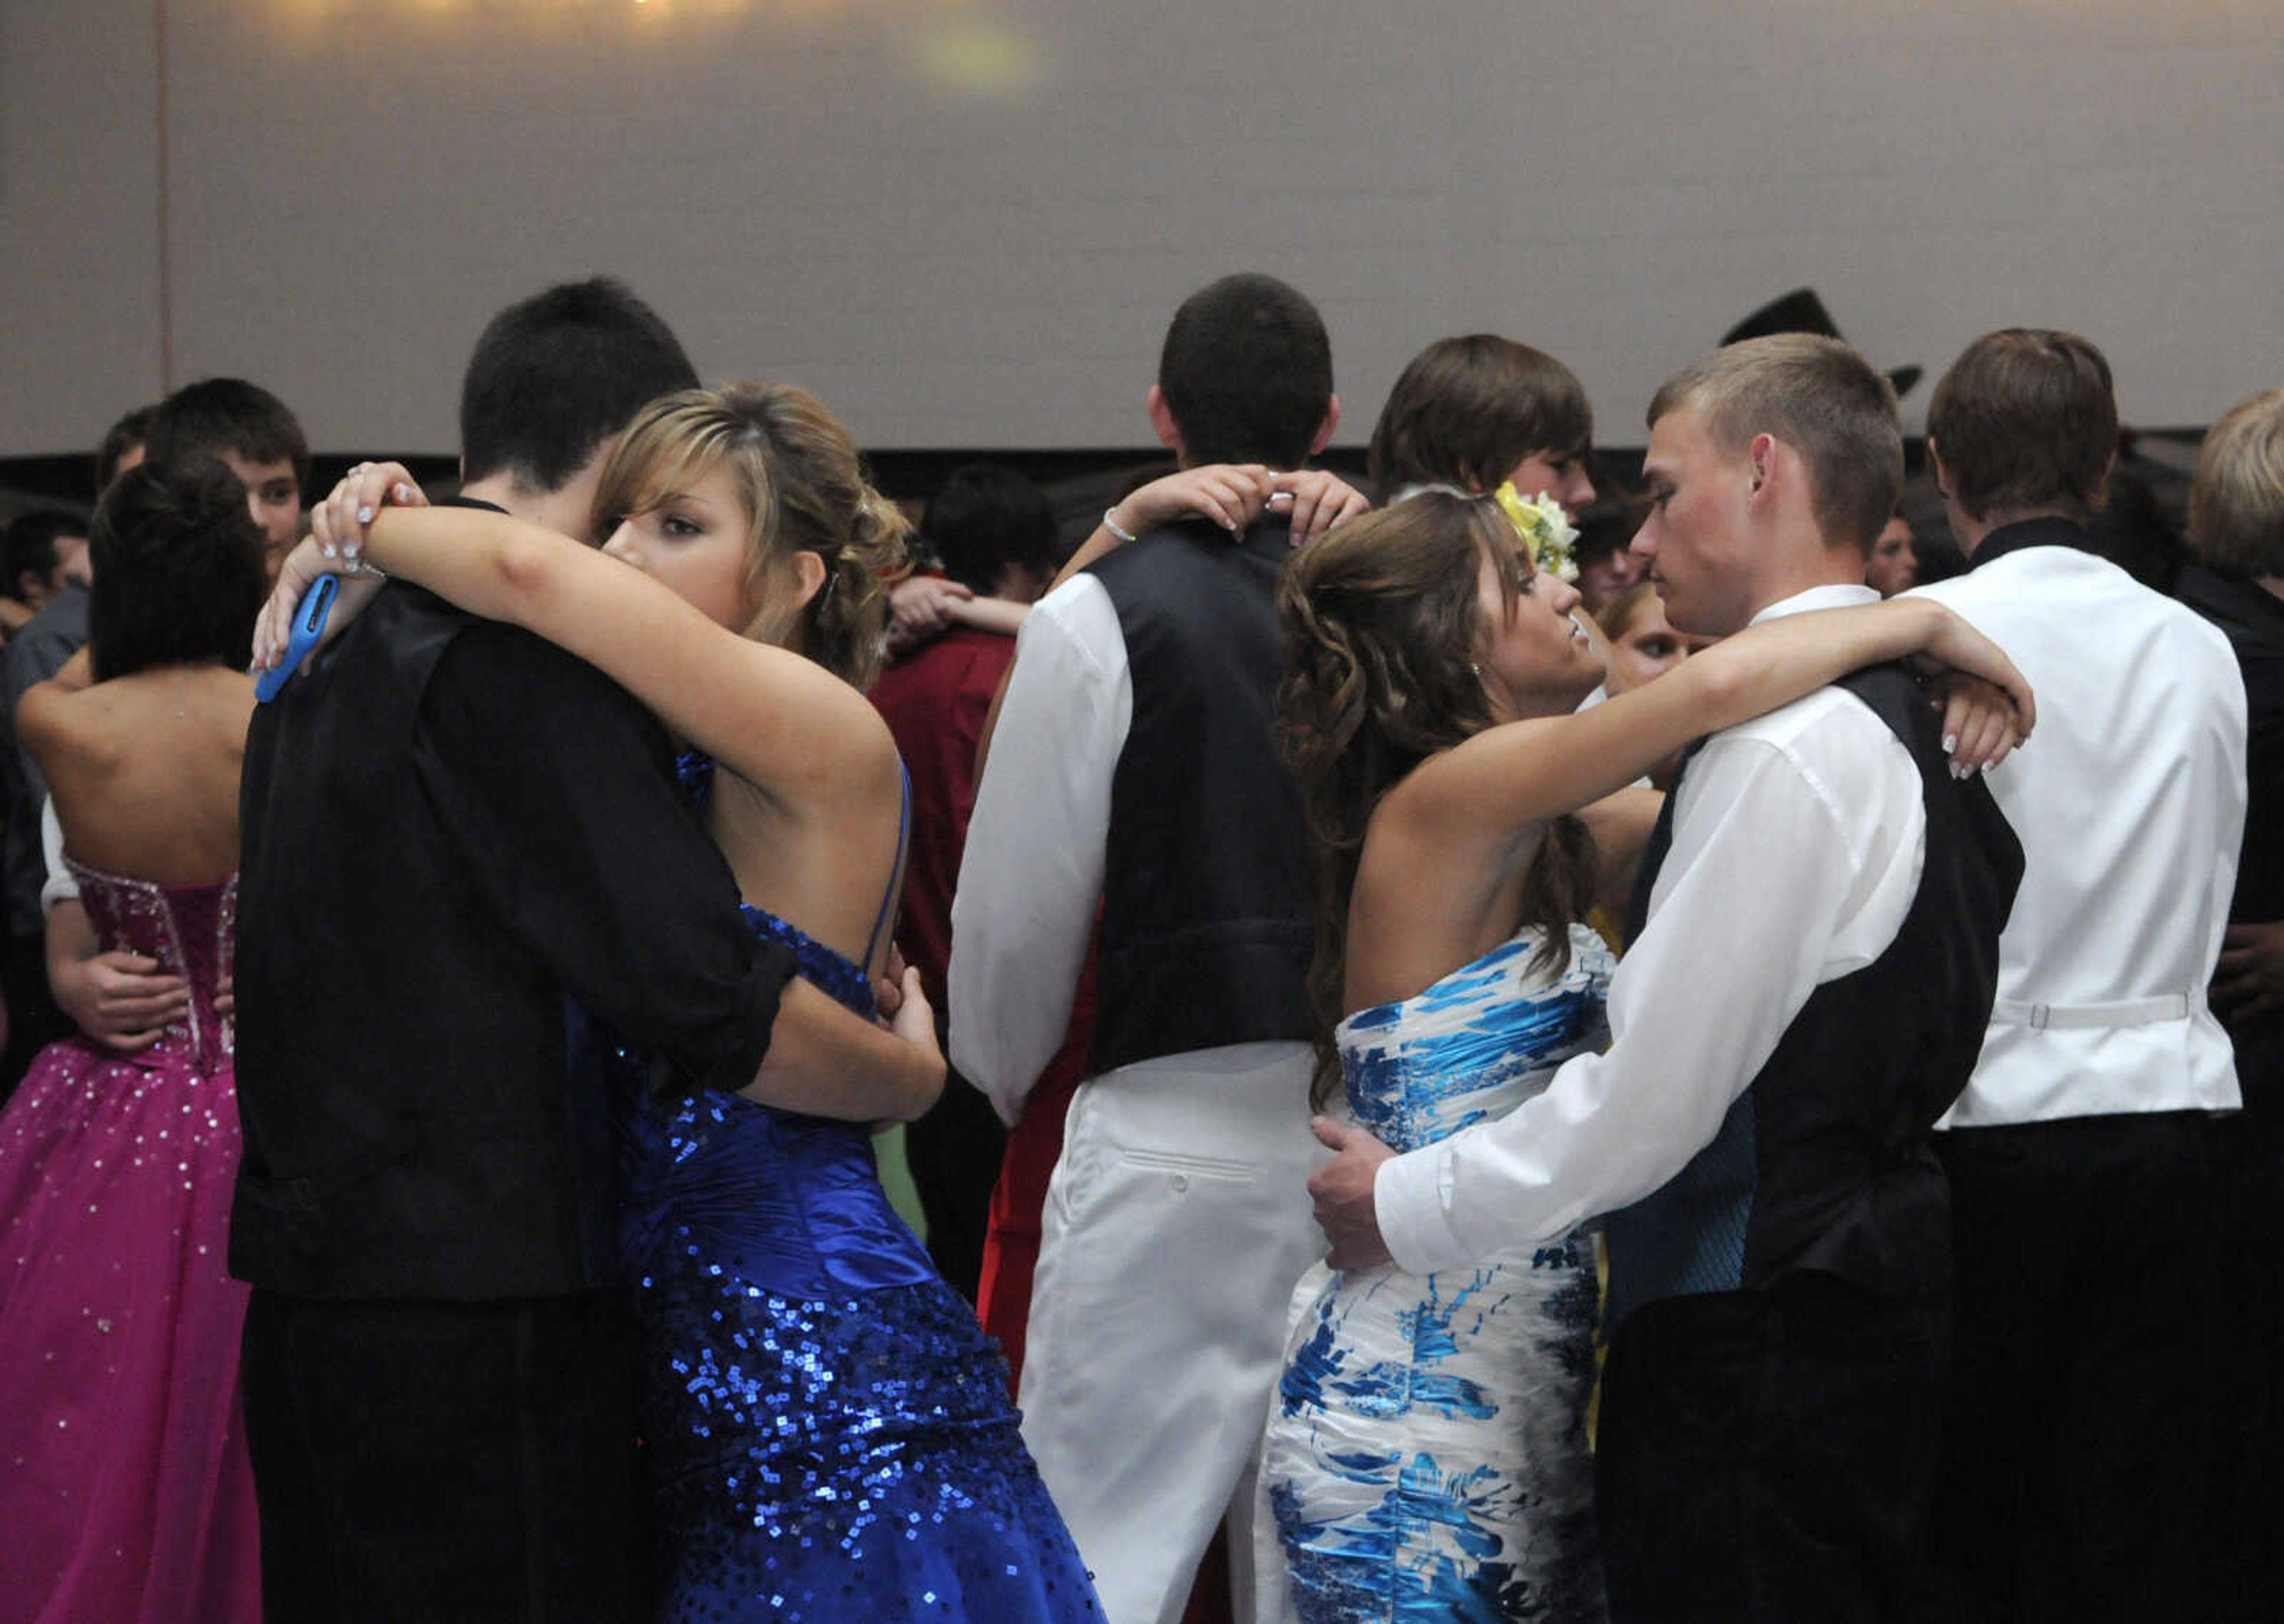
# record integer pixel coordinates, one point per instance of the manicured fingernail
(1950, 743)
(365, 516)
(327, 548)
(402, 493)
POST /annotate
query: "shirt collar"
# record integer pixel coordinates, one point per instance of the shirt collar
(1835, 597)
(471, 502)
(2042, 532)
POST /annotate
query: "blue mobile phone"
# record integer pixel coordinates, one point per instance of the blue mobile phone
(309, 616)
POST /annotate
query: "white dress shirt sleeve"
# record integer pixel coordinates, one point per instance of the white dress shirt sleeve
(1796, 852)
(1031, 875)
(60, 886)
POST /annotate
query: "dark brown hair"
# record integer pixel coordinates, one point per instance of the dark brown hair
(226, 415)
(2025, 418)
(1821, 398)
(1466, 410)
(1246, 371)
(122, 437)
(1382, 620)
(177, 566)
(804, 490)
(556, 375)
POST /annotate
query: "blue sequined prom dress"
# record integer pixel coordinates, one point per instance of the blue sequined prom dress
(829, 1427)
(1426, 1455)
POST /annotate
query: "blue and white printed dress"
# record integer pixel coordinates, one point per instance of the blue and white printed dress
(1426, 1455)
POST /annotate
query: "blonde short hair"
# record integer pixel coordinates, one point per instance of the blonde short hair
(2236, 504)
(1821, 398)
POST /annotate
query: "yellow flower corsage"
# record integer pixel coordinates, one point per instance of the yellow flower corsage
(1545, 528)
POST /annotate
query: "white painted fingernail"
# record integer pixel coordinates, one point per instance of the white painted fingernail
(1950, 743)
(365, 516)
(326, 548)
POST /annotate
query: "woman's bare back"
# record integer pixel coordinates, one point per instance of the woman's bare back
(144, 769)
(831, 868)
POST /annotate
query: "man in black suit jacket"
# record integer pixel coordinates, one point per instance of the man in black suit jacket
(459, 843)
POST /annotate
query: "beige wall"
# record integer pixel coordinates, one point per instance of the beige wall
(79, 211)
(964, 221)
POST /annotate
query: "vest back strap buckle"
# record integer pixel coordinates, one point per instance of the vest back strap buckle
(2091, 1016)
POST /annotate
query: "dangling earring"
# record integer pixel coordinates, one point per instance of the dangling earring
(1477, 669)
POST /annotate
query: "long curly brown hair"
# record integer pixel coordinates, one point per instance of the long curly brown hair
(1383, 622)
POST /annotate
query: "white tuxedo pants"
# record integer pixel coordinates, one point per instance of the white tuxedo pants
(1176, 1222)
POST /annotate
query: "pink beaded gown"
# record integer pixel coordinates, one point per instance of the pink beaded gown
(125, 1495)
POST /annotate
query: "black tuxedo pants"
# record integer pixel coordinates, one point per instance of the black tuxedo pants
(2077, 1463)
(446, 1462)
(1767, 1456)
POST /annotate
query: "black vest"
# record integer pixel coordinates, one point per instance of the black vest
(415, 1125)
(1206, 911)
(1824, 1162)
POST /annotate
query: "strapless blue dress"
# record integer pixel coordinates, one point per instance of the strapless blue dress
(1426, 1454)
(829, 1428)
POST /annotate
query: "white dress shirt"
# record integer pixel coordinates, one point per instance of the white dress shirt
(1798, 841)
(1031, 876)
(2129, 800)
(62, 886)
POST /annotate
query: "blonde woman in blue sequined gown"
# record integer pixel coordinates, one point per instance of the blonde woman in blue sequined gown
(828, 1427)
(1426, 1454)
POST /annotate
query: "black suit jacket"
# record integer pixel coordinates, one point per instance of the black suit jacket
(458, 840)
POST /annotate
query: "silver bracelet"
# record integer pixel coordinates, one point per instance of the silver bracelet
(1111, 524)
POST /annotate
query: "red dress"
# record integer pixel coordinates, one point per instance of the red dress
(934, 702)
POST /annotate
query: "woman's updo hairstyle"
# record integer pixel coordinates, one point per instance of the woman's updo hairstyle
(1382, 632)
(801, 479)
(178, 570)
(1382, 622)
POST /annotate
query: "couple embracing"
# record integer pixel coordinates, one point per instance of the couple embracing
(560, 1049)
(1812, 952)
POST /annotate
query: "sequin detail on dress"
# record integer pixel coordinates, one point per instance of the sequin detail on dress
(125, 1492)
(828, 1427)
(1427, 1452)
